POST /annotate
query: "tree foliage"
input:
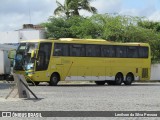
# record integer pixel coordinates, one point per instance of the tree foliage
(150, 25)
(72, 7)
(110, 27)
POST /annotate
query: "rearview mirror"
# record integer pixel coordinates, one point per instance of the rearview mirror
(33, 53)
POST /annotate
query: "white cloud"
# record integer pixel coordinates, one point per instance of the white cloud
(155, 16)
(104, 6)
(149, 12)
(14, 14)
(132, 12)
(107, 6)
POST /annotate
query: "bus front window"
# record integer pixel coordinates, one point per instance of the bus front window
(29, 62)
(23, 60)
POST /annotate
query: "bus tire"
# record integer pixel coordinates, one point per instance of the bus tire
(129, 79)
(100, 82)
(54, 79)
(118, 79)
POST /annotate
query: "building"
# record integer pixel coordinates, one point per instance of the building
(28, 32)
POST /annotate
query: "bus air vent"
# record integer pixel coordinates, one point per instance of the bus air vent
(144, 72)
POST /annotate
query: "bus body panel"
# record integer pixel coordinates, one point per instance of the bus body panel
(92, 68)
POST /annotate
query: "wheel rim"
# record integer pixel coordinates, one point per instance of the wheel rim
(118, 80)
(54, 79)
(129, 79)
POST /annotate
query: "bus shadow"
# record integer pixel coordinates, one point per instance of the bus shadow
(89, 85)
(80, 85)
(71, 85)
(146, 84)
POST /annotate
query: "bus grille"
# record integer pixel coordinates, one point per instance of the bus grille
(144, 72)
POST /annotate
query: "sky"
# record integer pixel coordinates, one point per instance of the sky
(15, 13)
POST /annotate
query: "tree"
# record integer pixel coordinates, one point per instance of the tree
(74, 27)
(109, 27)
(150, 25)
(58, 28)
(72, 7)
(66, 8)
(82, 27)
(83, 5)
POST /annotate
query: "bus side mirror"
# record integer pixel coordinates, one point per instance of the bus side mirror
(11, 54)
(33, 54)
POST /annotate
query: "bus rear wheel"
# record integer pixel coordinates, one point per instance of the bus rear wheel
(129, 79)
(54, 80)
(100, 82)
(118, 79)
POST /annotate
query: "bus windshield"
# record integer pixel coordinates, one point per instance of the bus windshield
(23, 59)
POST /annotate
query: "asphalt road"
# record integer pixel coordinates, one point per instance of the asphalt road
(85, 97)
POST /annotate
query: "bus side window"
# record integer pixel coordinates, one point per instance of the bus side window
(60, 49)
(108, 51)
(65, 50)
(143, 52)
(57, 50)
(93, 51)
(112, 51)
(121, 52)
(77, 50)
(132, 52)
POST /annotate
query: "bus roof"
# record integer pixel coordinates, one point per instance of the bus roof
(94, 41)
(66, 39)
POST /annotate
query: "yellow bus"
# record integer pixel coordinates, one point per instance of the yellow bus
(69, 59)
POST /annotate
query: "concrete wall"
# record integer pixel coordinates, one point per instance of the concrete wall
(9, 37)
(155, 72)
(24, 34)
(31, 34)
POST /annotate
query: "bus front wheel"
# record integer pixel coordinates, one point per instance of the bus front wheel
(54, 80)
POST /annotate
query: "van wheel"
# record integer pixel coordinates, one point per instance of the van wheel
(118, 79)
(100, 82)
(129, 79)
(54, 80)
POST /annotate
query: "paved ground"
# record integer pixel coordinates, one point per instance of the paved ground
(85, 97)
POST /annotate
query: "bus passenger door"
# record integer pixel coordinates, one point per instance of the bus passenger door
(42, 62)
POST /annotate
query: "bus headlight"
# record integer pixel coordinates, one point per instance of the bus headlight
(29, 73)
